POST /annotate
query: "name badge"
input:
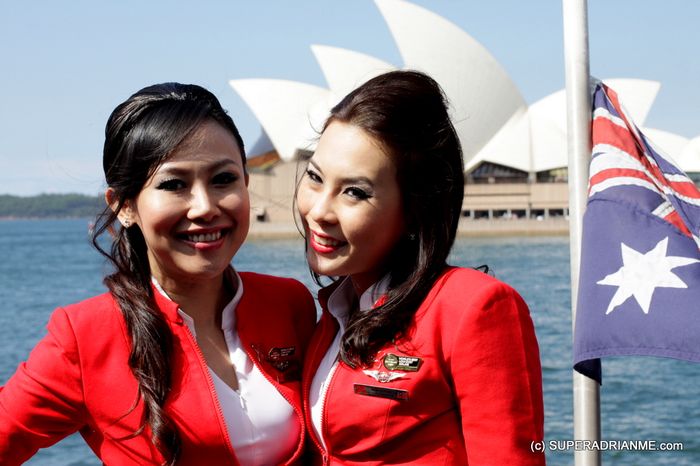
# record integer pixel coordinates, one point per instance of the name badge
(277, 353)
(402, 363)
(283, 360)
(381, 392)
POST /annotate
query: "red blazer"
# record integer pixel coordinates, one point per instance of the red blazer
(77, 378)
(475, 398)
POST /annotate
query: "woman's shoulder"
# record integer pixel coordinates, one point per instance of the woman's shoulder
(94, 312)
(93, 322)
(277, 292)
(94, 305)
(468, 279)
(279, 298)
(468, 300)
(460, 284)
(253, 280)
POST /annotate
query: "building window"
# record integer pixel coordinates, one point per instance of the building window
(557, 175)
(488, 172)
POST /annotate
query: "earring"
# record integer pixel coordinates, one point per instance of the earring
(411, 236)
(126, 223)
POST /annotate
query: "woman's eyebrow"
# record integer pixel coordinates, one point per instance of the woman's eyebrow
(172, 168)
(347, 180)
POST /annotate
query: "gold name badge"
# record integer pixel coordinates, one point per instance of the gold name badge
(395, 362)
(381, 392)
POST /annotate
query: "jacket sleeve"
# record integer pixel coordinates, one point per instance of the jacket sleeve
(43, 401)
(496, 372)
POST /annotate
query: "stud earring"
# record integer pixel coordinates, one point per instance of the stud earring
(126, 223)
(412, 237)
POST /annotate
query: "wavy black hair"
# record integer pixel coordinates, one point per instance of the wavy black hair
(140, 135)
(406, 112)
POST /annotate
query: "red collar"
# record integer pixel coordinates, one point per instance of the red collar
(168, 307)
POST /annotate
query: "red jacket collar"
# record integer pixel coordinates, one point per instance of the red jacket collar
(168, 307)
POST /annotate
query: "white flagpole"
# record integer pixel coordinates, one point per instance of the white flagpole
(578, 125)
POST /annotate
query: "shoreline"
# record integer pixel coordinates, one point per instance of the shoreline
(558, 226)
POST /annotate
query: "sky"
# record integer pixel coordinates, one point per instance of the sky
(65, 65)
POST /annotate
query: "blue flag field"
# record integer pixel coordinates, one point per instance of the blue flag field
(639, 280)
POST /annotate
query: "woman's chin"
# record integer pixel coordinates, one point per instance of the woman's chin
(321, 268)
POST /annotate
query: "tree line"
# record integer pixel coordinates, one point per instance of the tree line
(50, 205)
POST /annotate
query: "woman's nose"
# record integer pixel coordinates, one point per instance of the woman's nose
(322, 208)
(203, 204)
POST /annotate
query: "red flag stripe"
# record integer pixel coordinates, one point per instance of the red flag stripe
(676, 220)
(614, 135)
(617, 173)
(685, 188)
(607, 132)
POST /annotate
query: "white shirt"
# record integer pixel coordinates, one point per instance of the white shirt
(340, 304)
(261, 423)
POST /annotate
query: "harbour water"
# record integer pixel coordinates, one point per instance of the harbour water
(47, 263)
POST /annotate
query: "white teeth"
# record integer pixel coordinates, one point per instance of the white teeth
(206, 238)
(330, 242)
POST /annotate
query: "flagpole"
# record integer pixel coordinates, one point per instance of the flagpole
(578, 124)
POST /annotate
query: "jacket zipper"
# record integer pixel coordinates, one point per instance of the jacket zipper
(324, 400)
(297, 409)
(212, 390)
(306, 388)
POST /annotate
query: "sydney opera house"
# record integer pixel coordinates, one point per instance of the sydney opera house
(515, 154)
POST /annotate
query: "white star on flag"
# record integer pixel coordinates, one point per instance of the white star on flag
(641, 274)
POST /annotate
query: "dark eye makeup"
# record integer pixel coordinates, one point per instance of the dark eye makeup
(357, 193)
(225, 178)
(170, 184)
(313, 176)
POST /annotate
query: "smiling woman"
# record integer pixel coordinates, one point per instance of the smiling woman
(350, 190)
(185, 360)
(440, 364)
(194, 210)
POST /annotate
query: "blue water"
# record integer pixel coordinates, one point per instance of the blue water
(47, 263)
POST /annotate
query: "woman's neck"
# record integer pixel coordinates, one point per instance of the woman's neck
(202, 301)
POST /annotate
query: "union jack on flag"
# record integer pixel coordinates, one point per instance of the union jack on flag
(639, 280)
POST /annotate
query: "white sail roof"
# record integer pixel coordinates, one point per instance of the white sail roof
(481, 93)
(689, 158)
(543, 146)
(492, 120)
(345, 69)
(288, 111)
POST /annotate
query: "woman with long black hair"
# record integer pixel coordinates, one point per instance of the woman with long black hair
(413, 361)
(185, 360)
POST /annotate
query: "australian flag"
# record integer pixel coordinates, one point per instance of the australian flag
(639, 280)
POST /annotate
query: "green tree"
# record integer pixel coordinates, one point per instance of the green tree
(50, 205)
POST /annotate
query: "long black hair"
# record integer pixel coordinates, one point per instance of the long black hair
(406, 112)
(141, 134)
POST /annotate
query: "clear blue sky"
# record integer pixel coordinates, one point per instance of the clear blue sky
(66, 64)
